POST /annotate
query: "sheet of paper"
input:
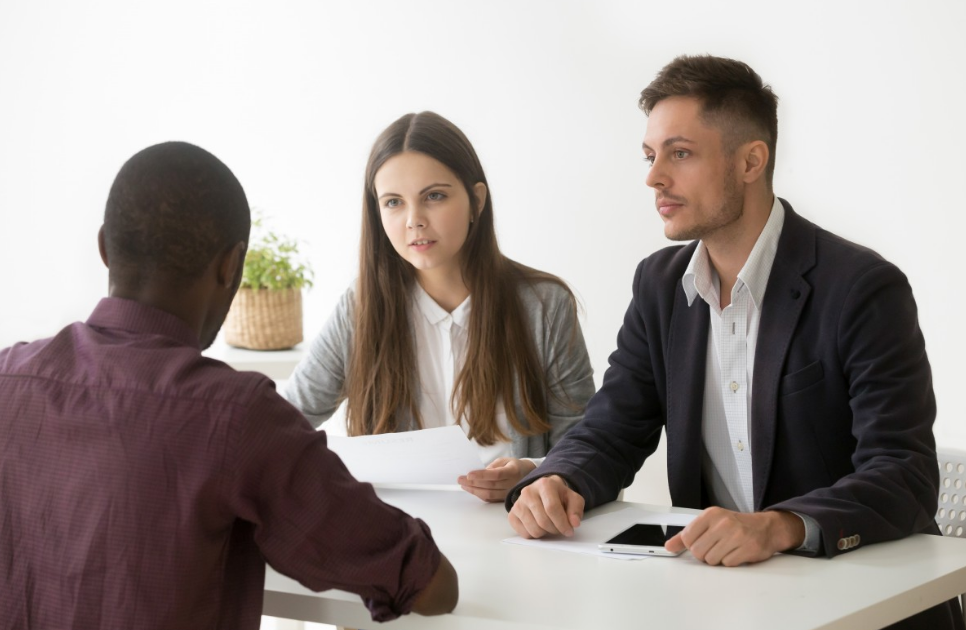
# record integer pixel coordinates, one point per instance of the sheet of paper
(602, 527)
(429, 456)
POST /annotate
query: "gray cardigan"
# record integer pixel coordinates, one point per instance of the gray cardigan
(317, 385)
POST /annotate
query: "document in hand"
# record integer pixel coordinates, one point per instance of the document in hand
(429, 456)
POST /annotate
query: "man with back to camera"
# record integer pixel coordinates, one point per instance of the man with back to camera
(785, 364)
(144, 485)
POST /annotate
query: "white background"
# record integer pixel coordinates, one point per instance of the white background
(291, 95)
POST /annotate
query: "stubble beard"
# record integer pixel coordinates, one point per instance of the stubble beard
(728, 212)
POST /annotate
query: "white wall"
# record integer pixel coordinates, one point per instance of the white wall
(291, 95)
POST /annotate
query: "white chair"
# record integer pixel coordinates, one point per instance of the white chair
(951, 516)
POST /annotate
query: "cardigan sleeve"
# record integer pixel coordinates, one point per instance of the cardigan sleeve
(567, 369)
(317, 387)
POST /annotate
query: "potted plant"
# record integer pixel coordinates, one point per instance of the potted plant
(267, 311)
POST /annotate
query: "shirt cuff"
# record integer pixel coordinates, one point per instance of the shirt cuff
(813, 534)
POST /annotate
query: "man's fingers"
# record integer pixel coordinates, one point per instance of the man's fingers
(575, 508)
(564, 517)
(675, 544)
(517, 525)
(528, 526)
(719, 536)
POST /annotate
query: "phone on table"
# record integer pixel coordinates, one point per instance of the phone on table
(642, 539)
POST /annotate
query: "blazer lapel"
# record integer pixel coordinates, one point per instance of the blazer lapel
(686, 353)
(785, 298)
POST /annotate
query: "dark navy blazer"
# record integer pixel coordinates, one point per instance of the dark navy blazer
(843, 404)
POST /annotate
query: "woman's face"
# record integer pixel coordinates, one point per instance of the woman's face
(425, 212)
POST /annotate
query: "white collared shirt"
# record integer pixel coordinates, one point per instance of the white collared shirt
(441, 341)
(730, 366)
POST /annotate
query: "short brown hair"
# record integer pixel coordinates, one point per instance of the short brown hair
(734, 99)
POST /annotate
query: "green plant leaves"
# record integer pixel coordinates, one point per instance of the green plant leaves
(273, 262)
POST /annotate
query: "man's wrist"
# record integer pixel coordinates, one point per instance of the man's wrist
(790, 530)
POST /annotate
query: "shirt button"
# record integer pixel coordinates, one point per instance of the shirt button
(740, 445)
(734, 386)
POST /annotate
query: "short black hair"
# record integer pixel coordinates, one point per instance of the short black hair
(172, 209)
(733, 98)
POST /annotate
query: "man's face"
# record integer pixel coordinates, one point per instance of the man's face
(696, 190)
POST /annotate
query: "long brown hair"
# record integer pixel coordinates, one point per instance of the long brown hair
(501, 358)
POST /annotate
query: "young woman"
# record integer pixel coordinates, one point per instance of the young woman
(441, 328)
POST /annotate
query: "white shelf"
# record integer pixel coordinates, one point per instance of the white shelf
(275, 364)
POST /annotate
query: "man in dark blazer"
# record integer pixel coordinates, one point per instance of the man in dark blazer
(785, 364)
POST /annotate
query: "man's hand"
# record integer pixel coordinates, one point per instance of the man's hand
(546, 507)
(720, 536)
(440, 595)
(493, 482)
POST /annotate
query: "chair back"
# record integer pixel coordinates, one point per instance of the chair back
(951, 515)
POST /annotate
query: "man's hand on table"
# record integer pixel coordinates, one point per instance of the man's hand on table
(720, 536)
(547, 507)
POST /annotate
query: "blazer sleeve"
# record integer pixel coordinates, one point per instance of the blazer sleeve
(316, 387)
(622, 424)
(891, 491)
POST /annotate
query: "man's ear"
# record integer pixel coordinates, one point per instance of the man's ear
(102, 246)
(232, 265)
(754, 161)
(479, 190)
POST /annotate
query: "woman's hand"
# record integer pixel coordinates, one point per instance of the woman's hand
(493, 482)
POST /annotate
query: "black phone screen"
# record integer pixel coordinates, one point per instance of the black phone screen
(641, 534)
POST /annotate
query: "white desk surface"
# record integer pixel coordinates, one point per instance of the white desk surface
(513, 587)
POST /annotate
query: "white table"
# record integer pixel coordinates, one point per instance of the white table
(514, 587)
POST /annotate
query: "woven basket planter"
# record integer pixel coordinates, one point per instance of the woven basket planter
(265, 319)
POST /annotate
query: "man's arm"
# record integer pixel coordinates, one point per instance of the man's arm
(622, 425)
(315, 523)
(889, 482)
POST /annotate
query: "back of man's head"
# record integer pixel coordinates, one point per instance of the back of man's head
(734, 99)
(172, 210)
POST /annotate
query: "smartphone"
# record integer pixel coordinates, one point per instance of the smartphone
(642, 539)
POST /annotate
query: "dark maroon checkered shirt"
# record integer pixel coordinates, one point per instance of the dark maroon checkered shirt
(144, 486)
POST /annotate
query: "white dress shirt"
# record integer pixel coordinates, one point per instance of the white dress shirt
(730, 367)
(441, 342)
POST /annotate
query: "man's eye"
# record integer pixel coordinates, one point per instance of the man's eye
(649, 159)
(679, 154)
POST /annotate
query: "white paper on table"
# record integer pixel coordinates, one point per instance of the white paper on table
(427, 456)
(600, 528)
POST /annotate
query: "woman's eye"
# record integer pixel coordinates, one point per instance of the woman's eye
(392, 203)
(436, 196)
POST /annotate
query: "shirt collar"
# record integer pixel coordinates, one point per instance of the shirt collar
(132, 316)
(434, 313)
(701, 279)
